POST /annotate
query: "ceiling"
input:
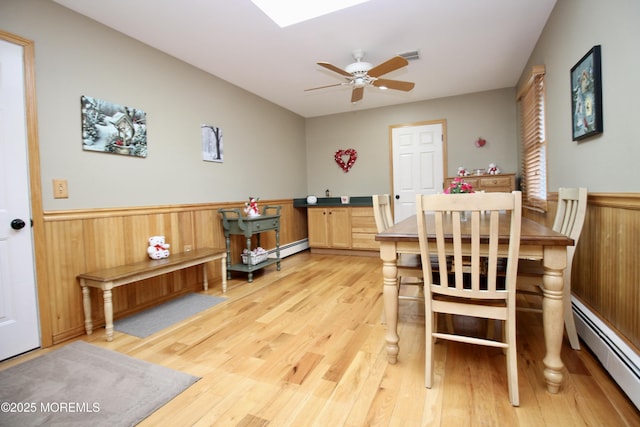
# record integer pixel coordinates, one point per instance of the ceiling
(465, 46)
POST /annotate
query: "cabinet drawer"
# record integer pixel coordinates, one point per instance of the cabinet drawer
(498, 181)
(363, 224)
(364, 241)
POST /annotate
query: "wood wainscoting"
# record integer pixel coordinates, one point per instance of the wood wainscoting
(606, 267)
(86, 240)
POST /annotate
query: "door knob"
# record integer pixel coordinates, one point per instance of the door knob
(397, 197)
(17, 224)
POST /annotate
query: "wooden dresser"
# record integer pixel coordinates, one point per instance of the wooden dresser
(505, 182)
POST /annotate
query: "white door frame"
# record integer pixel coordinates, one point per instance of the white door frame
(35, 187)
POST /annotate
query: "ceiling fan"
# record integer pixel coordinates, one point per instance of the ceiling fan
(361, 74)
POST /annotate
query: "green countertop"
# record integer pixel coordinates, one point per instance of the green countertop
(354, 201)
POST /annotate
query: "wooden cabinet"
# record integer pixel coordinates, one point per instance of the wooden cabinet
(363, 229)
(505, 182)
(329, 227)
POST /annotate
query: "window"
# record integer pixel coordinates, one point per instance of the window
(531, 100)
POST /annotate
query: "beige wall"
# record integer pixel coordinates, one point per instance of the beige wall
(491, 115)
(75, 57)
(608, 162)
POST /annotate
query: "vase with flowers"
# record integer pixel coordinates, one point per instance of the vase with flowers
(460, 186)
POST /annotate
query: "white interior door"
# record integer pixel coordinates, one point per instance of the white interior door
(19, 326)
(418, 165)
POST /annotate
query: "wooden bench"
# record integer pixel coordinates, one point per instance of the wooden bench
(109, 278)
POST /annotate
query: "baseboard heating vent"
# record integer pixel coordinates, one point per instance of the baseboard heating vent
(620, 360)
(290, 248)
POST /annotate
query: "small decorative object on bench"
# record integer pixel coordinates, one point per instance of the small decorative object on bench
(157, 249)
(251, 207)
(255, 256)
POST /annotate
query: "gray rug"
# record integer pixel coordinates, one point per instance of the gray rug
(157, 318)
(82, 384)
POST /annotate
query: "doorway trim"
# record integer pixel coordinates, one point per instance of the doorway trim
(35, 184)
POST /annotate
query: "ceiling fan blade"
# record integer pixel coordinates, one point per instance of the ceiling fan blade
(356, 94)
(388, 66)
(322, 87)
(334, 69)
(394, 84)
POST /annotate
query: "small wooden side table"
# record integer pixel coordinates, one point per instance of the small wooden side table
(233, 222)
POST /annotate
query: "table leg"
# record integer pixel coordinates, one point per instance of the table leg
(390, 298)
(278, 246)
(108, 311)
(250, 275)
(227, 240)
(555, 261)
(86, 302)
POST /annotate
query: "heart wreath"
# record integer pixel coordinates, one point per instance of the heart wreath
(346, 158)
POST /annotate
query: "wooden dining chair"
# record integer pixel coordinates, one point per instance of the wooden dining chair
(569, 219)
(409, 267)
(490, 296)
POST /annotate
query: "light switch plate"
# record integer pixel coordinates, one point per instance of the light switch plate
(60, 190)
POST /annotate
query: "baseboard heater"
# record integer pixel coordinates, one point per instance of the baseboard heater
(290, 248)
(620, 360)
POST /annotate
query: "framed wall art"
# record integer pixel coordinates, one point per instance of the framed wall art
(586, 96)
(212, 147)
(113, 128)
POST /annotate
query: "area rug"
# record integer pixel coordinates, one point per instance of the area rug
(82, 384)
(150, 321)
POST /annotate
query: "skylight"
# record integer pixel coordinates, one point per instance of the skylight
(289, 12)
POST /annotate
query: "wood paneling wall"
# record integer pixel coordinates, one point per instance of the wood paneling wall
(86, 240)
(606, 266)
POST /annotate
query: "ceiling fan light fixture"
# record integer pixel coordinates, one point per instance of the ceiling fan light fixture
(360, 81)
(358, 68)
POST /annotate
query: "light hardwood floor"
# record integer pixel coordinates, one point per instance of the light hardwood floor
(305, 347)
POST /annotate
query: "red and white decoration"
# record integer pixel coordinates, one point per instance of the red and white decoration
(346, 158)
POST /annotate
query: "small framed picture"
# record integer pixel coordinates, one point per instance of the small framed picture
(586, 96)
(212, 146)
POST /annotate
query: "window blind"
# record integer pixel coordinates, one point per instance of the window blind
(534, 144)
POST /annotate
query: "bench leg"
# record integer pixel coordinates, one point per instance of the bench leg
(108, 312)
(224, 273)
(86, 302)
(205, 282)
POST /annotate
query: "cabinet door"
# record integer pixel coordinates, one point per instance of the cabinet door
(339, 225)
(317, 223)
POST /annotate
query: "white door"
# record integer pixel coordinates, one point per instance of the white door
(418, 165)
(19, 326)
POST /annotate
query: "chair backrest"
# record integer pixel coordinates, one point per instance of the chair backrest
(572, 209)
(441, 231)
(382, 211)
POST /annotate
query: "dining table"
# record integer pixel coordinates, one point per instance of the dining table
(537, 242)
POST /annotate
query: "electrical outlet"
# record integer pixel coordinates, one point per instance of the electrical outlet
(188, 248)
(60, 190)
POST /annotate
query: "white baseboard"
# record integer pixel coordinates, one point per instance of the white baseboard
(290, 248)
(620, 360)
